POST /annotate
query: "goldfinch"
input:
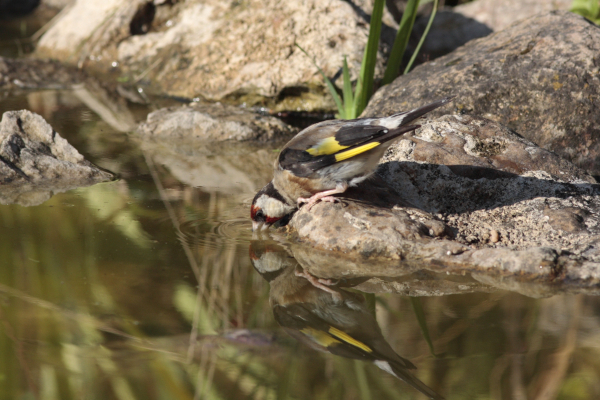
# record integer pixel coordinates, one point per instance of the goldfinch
(325, 159)
(327, 319)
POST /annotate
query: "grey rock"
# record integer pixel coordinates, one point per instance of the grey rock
(35, 161)
(240, 51)
(539, 77)
(439, 196)
(213, 122)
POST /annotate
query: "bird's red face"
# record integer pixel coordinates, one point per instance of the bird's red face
(268, 207)
(260, 220)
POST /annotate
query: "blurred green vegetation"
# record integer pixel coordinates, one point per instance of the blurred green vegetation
(353, 101)
(589, 9)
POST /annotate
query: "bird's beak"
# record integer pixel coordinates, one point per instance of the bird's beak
(259, 226)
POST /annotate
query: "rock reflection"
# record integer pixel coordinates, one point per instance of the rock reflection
(327, 317)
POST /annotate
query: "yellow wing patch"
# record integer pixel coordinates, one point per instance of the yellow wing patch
(344, 155)
(326, 147)
(327, 339)
(349, 339)
(320, 337)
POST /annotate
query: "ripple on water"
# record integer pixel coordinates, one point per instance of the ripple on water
(215, 233)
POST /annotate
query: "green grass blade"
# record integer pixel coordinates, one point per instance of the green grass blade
(359, 86)
(422, 40)
(594, 9)
(362, 380)
(406, 25)
(367, 70)
(332, 89)
(420, 314)
(347, 92)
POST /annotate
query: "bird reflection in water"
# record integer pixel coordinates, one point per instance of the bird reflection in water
(326, 317)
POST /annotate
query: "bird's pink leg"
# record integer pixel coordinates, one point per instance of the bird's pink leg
(323, 196)
(320, 283)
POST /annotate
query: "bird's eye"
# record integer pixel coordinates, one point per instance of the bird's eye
(260, 214)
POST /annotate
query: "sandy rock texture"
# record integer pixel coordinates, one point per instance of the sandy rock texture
(35, 161)
(540, 77)
(500, 14)
(241, 51)
(213, 122)
(465, 194)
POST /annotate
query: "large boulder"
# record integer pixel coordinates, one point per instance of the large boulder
(35, 161)
(540, 77)
(240, 51)
(465, 194)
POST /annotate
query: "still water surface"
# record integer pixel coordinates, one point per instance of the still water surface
(143, 288)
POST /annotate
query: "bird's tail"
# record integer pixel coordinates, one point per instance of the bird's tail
(401, 372)
(405, 117)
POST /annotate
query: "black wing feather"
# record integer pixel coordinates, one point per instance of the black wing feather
(302, 164)
(353, 134)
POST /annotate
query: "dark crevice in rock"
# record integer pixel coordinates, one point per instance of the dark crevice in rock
(141, 23)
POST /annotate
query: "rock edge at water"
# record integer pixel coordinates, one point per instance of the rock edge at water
(35, 161)
(486, 201)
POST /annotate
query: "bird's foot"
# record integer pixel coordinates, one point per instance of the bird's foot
(320, 283)
(324, 196)
(310, 202)
(330, 199)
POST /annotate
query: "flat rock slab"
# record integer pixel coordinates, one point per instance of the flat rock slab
(243, 51)
(213, 122)
(27, 74)
(539, 77)
(485, 202)
(35, 161)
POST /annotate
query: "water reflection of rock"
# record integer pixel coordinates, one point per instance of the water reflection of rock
(333, 320)
(35, 161)
(414, 277)
(234, 168)
(214, 146)
(422, 278)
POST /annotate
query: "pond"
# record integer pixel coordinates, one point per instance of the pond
(153, 287)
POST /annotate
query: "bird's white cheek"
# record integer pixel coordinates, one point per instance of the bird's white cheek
(275, 209)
